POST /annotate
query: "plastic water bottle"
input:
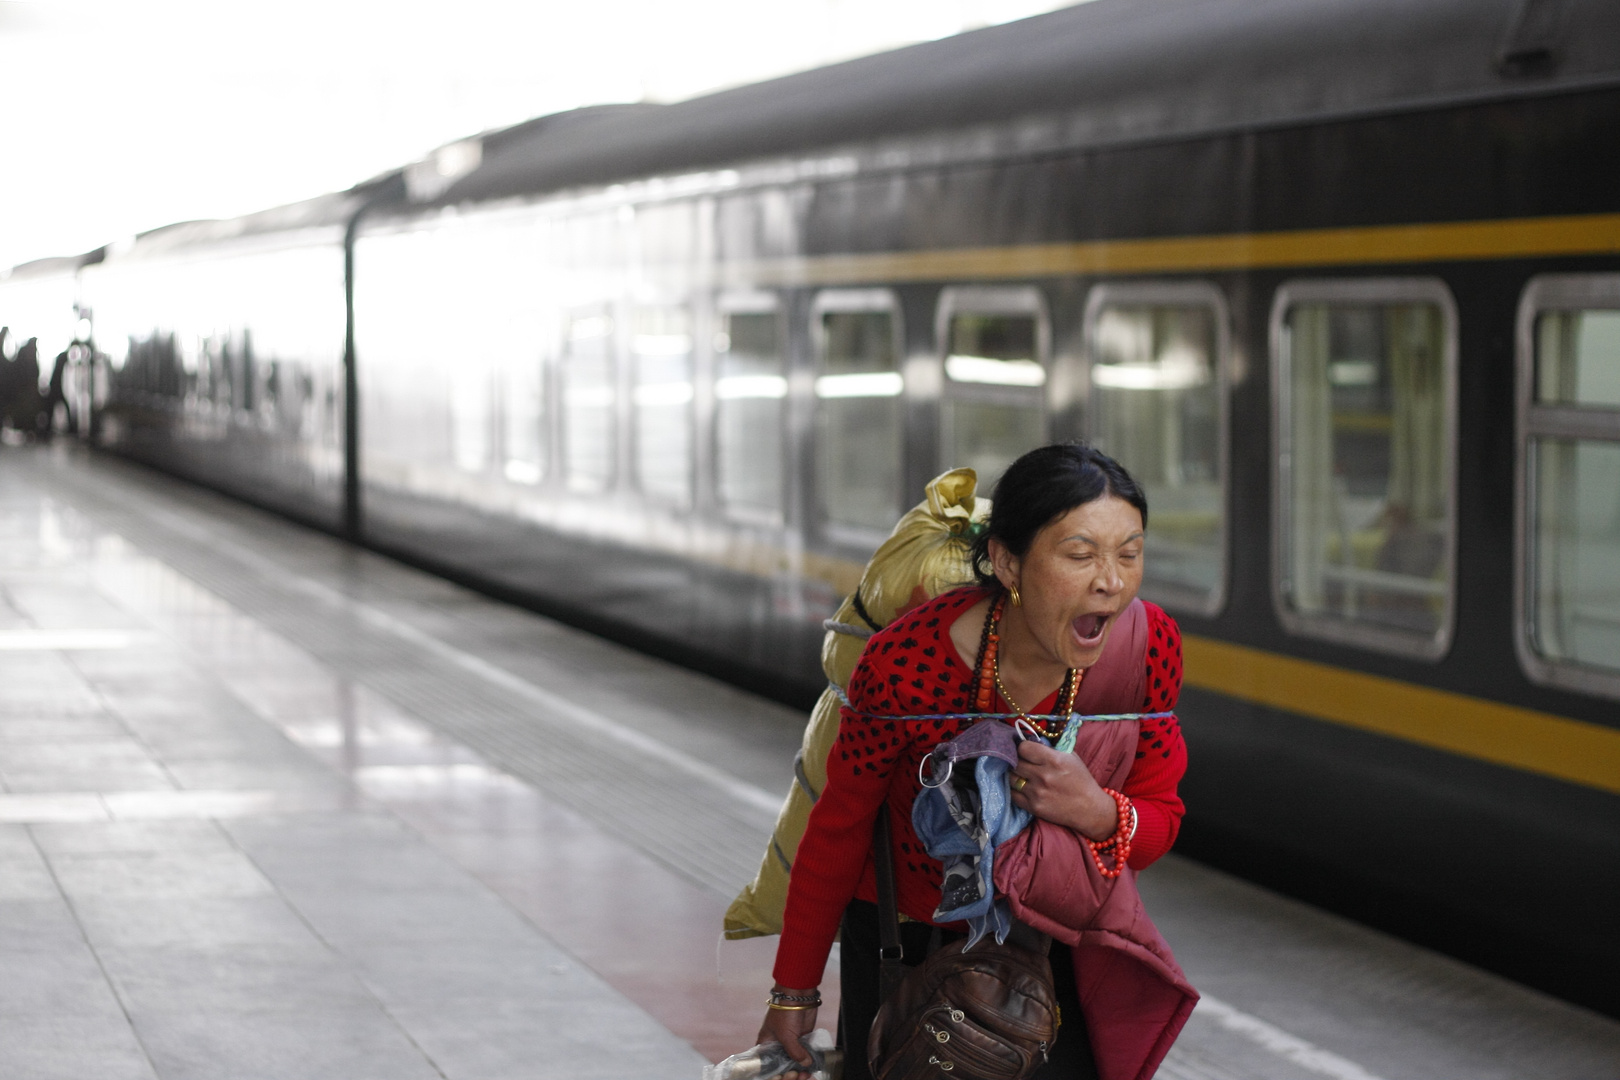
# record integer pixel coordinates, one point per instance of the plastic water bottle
(769, 1059)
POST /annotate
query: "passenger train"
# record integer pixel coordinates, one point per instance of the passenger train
(1338, 281)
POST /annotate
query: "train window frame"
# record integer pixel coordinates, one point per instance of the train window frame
(753, 303)
(1370, 290)
(513, 470)
(1179, 294)
(1544, 293)
(615, 354)
(990, 300)
(854, 301)
(631, 410)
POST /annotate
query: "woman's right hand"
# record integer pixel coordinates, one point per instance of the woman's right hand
(788, 1026)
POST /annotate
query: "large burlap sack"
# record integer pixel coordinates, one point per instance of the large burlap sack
(925, 555)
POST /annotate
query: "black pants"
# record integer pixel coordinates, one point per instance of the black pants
(858, 987)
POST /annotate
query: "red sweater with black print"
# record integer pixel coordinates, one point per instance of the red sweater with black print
(912, 667)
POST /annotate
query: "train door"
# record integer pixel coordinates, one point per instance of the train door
(1156, 365)
(995, 344)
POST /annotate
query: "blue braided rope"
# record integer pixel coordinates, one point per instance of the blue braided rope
(1071, 718)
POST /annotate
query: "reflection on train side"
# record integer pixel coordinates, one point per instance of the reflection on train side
(245, 344)
(556, 371)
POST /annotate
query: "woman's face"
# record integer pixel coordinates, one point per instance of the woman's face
(1080, 572)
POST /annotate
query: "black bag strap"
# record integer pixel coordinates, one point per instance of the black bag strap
(890, 969)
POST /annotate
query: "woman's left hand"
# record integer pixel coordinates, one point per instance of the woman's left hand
(1059, 788)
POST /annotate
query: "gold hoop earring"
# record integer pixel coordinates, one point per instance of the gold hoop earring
(1012, 594)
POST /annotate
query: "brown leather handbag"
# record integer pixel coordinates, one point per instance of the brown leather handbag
(985, 1013)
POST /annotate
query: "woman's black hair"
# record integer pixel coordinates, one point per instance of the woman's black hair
(1041, 487)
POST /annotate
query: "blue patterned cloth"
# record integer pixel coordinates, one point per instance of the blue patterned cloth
(962, 816)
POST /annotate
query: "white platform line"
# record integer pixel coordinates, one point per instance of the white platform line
(39, 640)
(71, 807)
(49, 807)
(1275, 1039)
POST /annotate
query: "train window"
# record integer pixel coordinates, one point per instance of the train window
(858, 418)
(523, 408)
(992, 407)
(661, 349)
(1365, 412)
(750, 389)
(1569, 504)
(1578, 358)
(1156, 360)
(588, 403)
(469, 414)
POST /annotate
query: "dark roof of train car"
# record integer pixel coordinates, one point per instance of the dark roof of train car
(1110, 71)
(52, 266)
(323, 210)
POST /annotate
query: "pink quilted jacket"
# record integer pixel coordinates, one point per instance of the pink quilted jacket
(1134, 995)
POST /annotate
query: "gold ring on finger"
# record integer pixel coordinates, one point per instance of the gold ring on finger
(1019, 783)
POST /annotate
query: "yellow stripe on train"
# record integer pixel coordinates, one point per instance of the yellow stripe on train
(1537, 742)
(1578, 234)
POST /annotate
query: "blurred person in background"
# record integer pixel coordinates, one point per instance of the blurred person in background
(19, 401)
(7, 369)
(56, 395)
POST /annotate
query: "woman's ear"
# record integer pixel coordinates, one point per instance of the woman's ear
(1006, 565)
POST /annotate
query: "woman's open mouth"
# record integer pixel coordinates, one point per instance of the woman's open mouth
(1089, 628)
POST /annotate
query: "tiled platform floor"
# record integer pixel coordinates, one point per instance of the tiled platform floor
(275, 808)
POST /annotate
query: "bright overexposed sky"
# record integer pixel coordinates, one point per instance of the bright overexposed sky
(122, 115)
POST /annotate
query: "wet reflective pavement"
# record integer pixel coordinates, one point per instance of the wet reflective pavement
(273, 807)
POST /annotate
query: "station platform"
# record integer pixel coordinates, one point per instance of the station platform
(274, 807)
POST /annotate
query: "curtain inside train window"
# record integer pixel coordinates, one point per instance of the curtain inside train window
(750, 389)
(858, 422)
(1575, 506)
(661, 350)
(1155, 406)
(1578, 358)
(993, 405)
(588, 403)
(1367, 507)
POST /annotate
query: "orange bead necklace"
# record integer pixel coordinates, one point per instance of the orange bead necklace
(989, 678)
